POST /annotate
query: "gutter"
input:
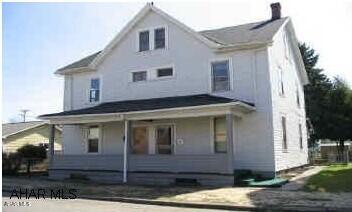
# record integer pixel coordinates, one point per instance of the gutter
(121, 115)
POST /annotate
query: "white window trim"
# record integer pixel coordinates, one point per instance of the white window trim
(131, 76)
(163, 67)
(100, 146)
(212, 126)
(100, 89)
(152, 74)
(166, 37)
(150, 41)
(231, 73)
(151, 31)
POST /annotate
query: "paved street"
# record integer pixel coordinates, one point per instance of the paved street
(88, 206)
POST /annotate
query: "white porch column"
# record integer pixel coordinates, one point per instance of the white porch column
(229, 132)
(125, 150)
(51, 143)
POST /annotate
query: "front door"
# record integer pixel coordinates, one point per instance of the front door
(164, 139)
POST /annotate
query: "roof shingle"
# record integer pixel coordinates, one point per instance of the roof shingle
(259, 32)
(149, 104)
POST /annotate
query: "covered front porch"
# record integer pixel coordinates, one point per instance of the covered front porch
(150, 147)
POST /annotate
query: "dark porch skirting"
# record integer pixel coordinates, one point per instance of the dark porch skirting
(143, 178)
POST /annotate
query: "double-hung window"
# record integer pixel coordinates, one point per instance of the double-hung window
(220, 135)
(139, 76)
(93, 139)
(284, 133)
(159, 38)
(144, 41)
(94, 92)
(220, 76)
(300, 136)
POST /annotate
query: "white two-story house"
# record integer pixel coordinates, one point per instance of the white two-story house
(162, 102)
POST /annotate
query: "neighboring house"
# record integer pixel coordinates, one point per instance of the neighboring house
(16, 135)
(190, 105)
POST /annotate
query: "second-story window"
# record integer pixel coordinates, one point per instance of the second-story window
(165, 72)
(159, 38)
(144, 41)
(94, 92)
(139, 76)
(281, 82)
(220, 76)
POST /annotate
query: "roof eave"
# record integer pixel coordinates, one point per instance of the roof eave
(243, 46)
(74, 70)
(243, 106)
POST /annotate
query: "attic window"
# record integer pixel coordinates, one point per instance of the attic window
(143, 41)
(159, 38)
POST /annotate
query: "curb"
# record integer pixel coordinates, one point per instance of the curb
(209, 205)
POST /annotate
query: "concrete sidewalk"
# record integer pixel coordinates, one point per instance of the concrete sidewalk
(296, 183)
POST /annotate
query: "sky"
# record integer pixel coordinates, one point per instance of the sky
(38, 38)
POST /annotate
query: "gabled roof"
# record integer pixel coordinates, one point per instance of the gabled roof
(149, 104)
(247, 34)
(10, 129)
(258, 32)
(84, 62)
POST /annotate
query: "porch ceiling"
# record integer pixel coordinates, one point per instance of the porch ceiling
(157, 108)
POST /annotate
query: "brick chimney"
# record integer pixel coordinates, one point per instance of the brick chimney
(275, 11)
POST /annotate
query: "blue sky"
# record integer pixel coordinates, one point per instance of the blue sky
(39, 38)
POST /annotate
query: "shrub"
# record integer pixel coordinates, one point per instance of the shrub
(11, 163)
(30, 151)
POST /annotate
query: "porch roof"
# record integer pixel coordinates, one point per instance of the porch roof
(149, 105)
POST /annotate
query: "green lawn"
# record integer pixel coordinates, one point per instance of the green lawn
(335, 178)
